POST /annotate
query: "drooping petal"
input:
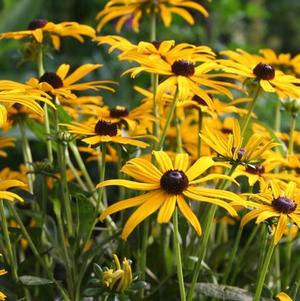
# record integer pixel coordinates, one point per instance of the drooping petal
(280, 228)
(166, 210)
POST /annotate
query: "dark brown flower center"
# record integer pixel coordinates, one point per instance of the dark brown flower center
(118, 112)
(106, 128)
(52, 79)
(264, 71)
(284, 205)
(226, 131)
(156, 44)
(255, 169)
(199, 100)
(240, 153)
(183, 67)
(37, 23)
(174, 181)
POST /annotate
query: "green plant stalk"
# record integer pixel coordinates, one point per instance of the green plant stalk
(4, 226)
(36, 253)
(232, 255)
(277, 270)
(26, 154)
(203, 245)
(263, 272)
(200, 123)
(288, 253)
(246, 119)
(178, 255)
(277, 116)
(102, 168)
(292, 130)
(243, 253)
(178, 134)
(41, 71)
(168, 122)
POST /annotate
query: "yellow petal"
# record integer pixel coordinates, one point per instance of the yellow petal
(283, 297)
(163, 161)
(129, 184)
(166, 210)
(181, 162)
(280, 228)
(200, 166)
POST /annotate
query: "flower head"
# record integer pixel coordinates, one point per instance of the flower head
(168, 186)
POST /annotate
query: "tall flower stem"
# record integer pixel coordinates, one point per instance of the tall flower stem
(178, 256)
(200, 123)
(26, 154)
(41, 71)
(292, 130)
(178, 134)
(102, 167)
(36, 252)
(246, 119)
(263, 272)
(277, 123)
(168, 122)
(203, 244)
(7, 242)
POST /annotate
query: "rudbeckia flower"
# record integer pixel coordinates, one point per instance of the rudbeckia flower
(61, 85)
(102, 131)
(231, 148)
(252, 67)
(275, 202)
(8, 195)
(2, 295)
(38, 28)
(126, 10)
(169, 185)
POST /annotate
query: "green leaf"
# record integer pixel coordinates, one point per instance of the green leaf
(33, 280)
(63, 116)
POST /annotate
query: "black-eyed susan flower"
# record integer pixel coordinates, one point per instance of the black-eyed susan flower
(60, 85)
(100, 131)
(230, 147)
(168, 186)
(277, 204)
(39, 28)
(2, 295)
(5, 185)
(133, 10)
(252, 67)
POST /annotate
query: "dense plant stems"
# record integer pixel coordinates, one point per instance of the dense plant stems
(7, 242)
(178, 255)
(263, 272)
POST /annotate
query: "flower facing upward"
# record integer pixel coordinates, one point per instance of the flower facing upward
(133, 10)
(38, 28)
(274, 202)
(168, 186)
(230, 147)
(255, 67)
(61, 85)
(100, 131)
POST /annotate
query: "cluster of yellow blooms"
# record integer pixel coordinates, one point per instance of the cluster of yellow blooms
(194, 138)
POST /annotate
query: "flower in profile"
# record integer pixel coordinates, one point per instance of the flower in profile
(168, 186)
(252, 67)
(39, 28)
(230, 147)
(133, 10)
(276, 204)
(101, 131)
(5, 185)
(2, 295)
(120, 278)
(6, 142)
(60, 85)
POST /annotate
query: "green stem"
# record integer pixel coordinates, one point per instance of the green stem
(178, 134)
(168, 122)
(245, 121)
(277, 270)
(26, 154)
(232, 255)
(200, 123)
(178, 256)
(277, 116)
(7, 242)
(207, 230)
(292, 130)
(143, 254)
(102, 167)
(263, 272)
(36, 253)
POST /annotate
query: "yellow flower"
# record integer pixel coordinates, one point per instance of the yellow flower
(6, 142)
(250, 66)
(283, 297)
(133, 10)
(61, 85)
(274, 202)
(8, 195)
(2, 295)
(118, 279)
(38, 28)
(100, 131)
(230, 147)
(168, 186)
